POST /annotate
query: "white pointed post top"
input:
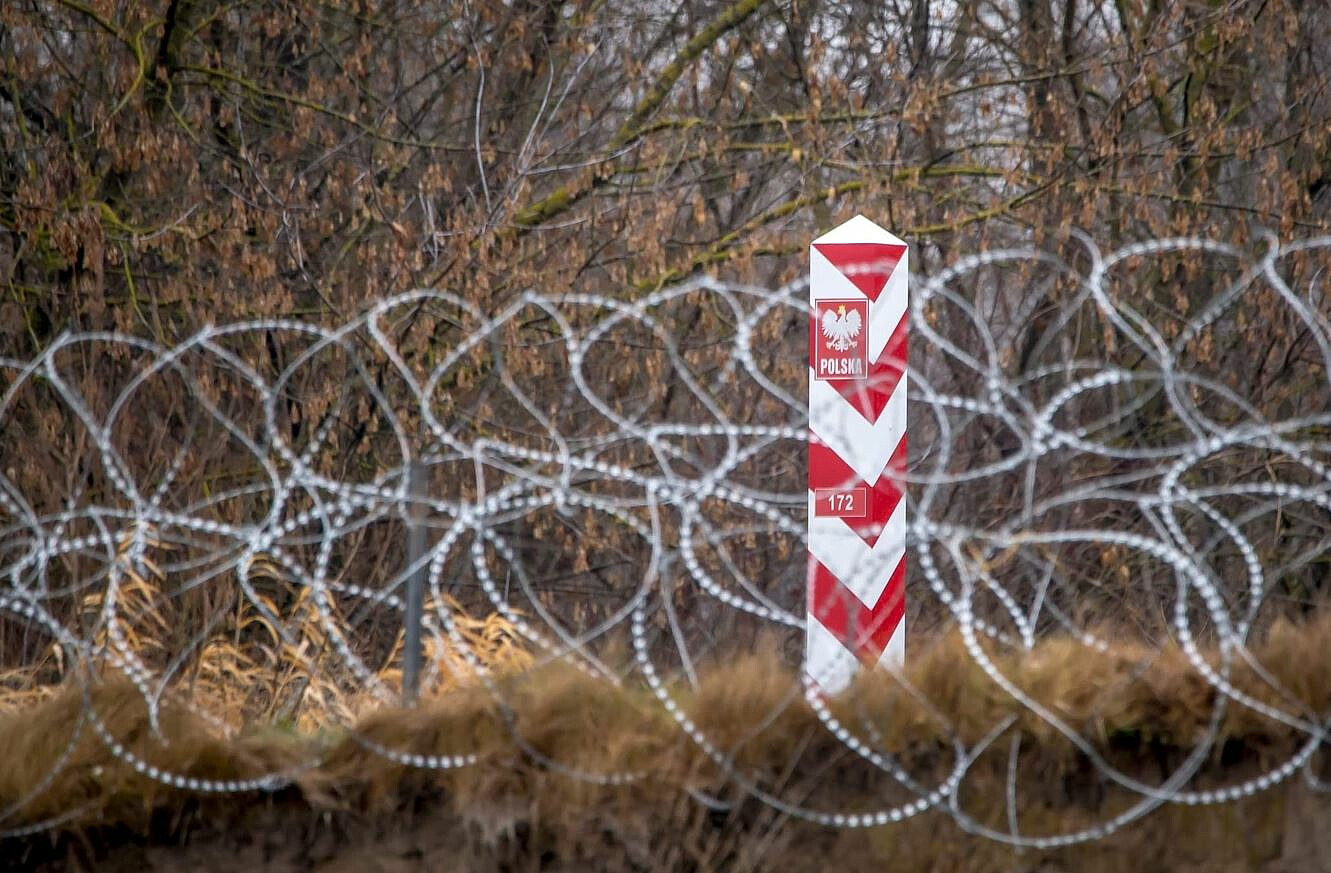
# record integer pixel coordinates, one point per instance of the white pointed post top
(859, 230)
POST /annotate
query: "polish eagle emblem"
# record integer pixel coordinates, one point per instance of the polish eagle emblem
(841, 328)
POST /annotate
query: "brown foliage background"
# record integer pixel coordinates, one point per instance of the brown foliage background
(167, 165)
(171, 163)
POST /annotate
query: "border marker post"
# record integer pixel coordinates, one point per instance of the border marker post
(857, 452)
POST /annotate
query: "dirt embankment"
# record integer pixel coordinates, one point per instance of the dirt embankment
(516, 806)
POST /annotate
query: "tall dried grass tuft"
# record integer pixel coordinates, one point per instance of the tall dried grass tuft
(268, 654)
(543, 738)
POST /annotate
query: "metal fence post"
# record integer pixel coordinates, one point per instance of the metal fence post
(415, 593)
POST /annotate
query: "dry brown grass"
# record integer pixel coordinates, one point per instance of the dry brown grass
(1142, 708)
(268, 657)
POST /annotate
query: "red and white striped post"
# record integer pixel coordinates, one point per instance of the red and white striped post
(857, 452)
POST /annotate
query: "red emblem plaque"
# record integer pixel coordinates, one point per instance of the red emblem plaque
(841, 339)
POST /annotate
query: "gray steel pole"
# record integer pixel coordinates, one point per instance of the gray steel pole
(415, 594)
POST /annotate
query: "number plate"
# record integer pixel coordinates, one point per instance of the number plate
(841, 503)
